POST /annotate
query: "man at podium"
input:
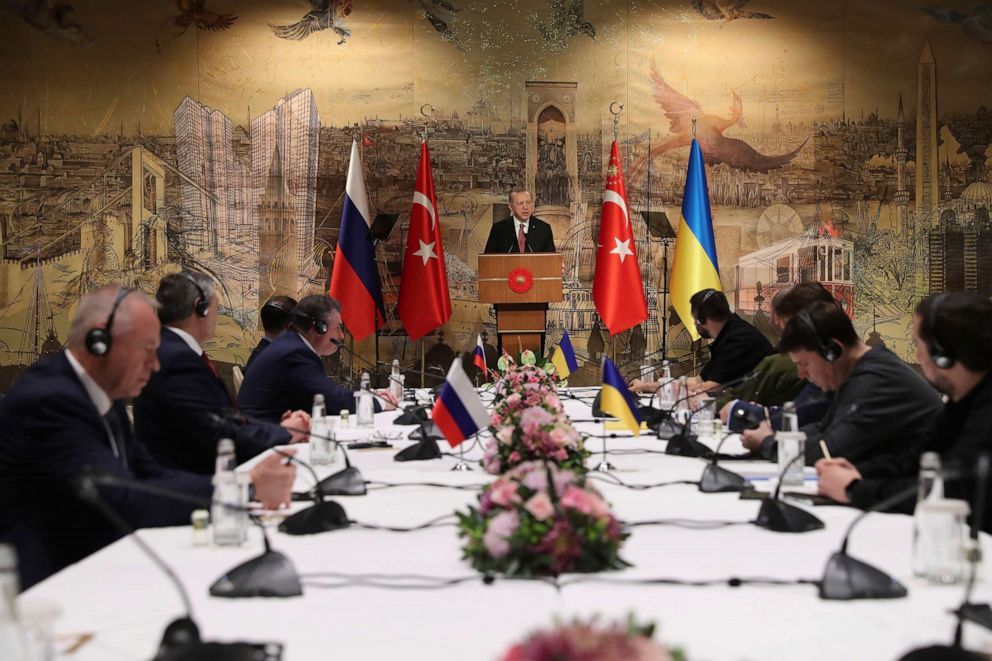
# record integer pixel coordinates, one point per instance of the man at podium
(520, 233)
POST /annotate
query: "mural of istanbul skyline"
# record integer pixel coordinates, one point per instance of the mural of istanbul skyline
(845, 142)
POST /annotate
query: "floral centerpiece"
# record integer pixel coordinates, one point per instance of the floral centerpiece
(540, 520)
(528, 423)
(592, 641)
(532, 426)
(518, 375)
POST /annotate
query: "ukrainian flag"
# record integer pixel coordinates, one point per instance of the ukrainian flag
(695, 267)
(564, 358)
(616, 400)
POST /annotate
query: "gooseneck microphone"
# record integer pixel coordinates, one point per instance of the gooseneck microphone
(270, 574)
(717, 479)
(846, 577)
(685, 444)
(779, 516)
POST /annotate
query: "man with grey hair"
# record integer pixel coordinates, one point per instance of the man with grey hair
(185, 408)
(65, 416)
(289, 373)
(521, 232)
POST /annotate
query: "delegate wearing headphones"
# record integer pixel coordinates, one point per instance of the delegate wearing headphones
(953, 337)
(288, 374)
(276, 316)
(881, 407)
(185, 408)
(737, 346)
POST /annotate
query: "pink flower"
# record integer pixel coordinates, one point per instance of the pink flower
(536, 480)
(505, 435)
(501, 527)
(504, 493)
(553, 402)
(514, 457)
(490, 459)
(575, 498)
(540, 506)
(533, 418)
(561, 455)
(559, 436)
(496, 419)
(597, 506)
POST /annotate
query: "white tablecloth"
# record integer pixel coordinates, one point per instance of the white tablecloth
(118, 594)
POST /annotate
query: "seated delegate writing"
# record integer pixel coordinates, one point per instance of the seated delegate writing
(880, 405)
(953, 337)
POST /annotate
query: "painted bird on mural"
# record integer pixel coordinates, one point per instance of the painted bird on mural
(323, 15)
(194, 13)
(52, 18)
(567, 20)
(725, 10)
(680, 110)
(976, 23)
(441, 15)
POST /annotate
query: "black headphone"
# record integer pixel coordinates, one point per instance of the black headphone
(98, 340)
(278, 305)
(201, 305)
(319, 325)
(701, 319)
(831, 350)
(942, 357)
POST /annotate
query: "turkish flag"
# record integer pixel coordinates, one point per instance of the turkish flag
(617, 288)
(424, 301)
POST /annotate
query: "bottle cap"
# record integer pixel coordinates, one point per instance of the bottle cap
(225, 446)
(930, 461)
(8, 557)
(318, 398)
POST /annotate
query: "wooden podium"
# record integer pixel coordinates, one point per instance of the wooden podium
(520, 287)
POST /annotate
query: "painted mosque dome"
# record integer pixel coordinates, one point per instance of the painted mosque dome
(979, 193)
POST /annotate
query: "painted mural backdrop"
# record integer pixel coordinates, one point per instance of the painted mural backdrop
(845, 142)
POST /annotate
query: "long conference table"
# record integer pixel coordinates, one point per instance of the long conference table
(124, 601)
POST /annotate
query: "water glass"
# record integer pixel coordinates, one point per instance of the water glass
(941, 543)
(791, 444)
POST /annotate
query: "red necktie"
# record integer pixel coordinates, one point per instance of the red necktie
(209, 363)
(521, 238)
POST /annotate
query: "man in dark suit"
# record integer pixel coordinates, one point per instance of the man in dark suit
(289, 372)
(66, 415)
(275, 316)
(520, 232)
(185, 408)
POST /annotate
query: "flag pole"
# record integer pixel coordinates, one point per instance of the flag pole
(426, 110)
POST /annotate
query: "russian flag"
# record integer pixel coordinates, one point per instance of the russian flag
(458, 411)
(355, 279)
(479, 356)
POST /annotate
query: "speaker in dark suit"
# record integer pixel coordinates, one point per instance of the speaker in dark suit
(175, 413)
(50, 430)
(504, 237)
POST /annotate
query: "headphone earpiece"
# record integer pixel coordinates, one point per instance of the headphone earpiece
(201, 305)
(99, 340)
(942, 357)
(701, 318)
(319, 326)
(831, 350)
